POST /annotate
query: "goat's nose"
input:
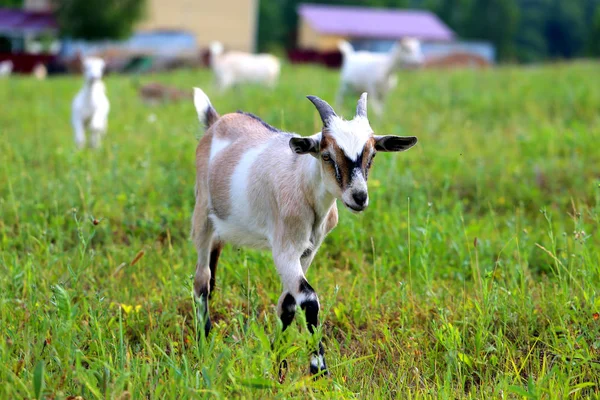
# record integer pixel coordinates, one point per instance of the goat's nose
(360, 198)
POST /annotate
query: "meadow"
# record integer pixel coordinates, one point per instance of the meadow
(474, 273)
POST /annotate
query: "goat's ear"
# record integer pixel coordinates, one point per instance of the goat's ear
(394, 143)
(304, 145)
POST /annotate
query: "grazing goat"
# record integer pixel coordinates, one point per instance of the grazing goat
(236, 67)
(6, 68)
(90, 107)
(363, 71)
(154, 93)
(260, 187)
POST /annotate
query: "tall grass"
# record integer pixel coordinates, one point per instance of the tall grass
(475, 271)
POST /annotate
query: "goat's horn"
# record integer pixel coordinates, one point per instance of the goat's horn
(324, 109)
(361, 106)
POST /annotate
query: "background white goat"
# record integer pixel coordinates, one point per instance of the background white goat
(6, 68)
(236, 67)
(260, 187)
(90, 106)
(375, 73)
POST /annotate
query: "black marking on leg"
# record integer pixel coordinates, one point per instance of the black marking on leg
(288, 310)
(203, 311)
(214, 261)
(305, 287)
(311, 309)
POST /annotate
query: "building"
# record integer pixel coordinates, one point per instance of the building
(232, 22)
(321, 27)
(27, 38)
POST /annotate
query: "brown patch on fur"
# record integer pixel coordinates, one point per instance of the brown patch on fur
(366, 158)
(243, 132)
(332, 218)
(200, 217)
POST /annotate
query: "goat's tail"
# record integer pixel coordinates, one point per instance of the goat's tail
(345, 47)
(206, 112)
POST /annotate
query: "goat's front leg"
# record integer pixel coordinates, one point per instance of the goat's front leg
(79, 131)
(297, 291)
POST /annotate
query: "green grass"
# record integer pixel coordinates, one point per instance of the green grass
(475, 271)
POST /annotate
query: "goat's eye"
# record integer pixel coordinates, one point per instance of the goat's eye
(326, 157)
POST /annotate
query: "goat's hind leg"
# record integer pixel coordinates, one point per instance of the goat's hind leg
(202, 233)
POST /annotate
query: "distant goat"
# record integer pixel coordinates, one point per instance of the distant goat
(6, 68)
(364, 71)
(90, 107)
(260, 187)
(236, 67)
(155, 92)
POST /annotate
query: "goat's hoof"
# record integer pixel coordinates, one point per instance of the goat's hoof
(317, 372)
(207, 327)
(317, 366)
(283, 367)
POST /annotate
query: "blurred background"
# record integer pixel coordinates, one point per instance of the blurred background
(154, 35)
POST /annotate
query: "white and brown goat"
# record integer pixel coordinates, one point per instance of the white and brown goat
(260, 187)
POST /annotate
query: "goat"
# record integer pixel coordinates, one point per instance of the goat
(235, 67)
(363, 71)
(154, 93)
(260, 187)
(6, 68)
(90, 106)
(40, 71)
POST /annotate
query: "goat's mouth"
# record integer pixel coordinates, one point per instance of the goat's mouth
(354, 208)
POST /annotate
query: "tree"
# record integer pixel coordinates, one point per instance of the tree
(496, 21)
(98, 19)
(594, 36)
(11, 3)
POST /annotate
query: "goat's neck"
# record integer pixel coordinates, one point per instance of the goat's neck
(93, 86)
(314, 188)
(392, 62)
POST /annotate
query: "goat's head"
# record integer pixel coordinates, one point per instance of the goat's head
(93, 68)
(408, 53)
(345, 150)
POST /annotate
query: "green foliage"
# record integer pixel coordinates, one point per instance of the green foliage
(495, 21)
(98, 19)
(11, 3)
(594, 38)
(474, 273)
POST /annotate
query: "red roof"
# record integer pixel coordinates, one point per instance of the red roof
(379, 23)
(17, 20)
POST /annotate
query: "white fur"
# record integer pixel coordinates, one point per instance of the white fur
(254, 230)
(6, 68)
(202, 103)
(363, 71)
(91, 106)
(351, 136)
(237, 67)
(216, 146)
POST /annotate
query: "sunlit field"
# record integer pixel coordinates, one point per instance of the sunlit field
(475, 271)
